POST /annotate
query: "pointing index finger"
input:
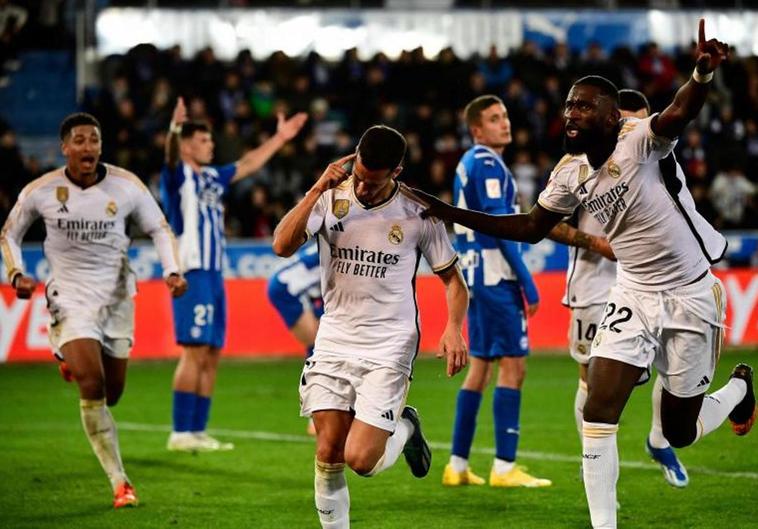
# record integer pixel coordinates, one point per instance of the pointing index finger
(701, 32)
(345, 159)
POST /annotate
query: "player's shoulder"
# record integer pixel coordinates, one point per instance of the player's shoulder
(56, 177)
(568, 165)
(641, 126)
(409, 199)
(124, 176)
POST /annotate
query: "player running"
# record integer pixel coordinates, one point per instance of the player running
(667, 309)
(85, 206)
(371, 238)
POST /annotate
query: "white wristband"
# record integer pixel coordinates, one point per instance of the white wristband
(702, 79)
(175, 128)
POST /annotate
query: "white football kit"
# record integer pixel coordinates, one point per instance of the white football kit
(90, 288)
(368, 336)
(666, 308)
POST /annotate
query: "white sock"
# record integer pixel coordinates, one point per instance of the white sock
(601, 471)
(101, 431)
(656, 430)
(717, 406)
(332, 496)
(394, 447)
(458, 463)
(501, 466)
(579, 399)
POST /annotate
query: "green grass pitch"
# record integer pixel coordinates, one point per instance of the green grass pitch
(49, 478)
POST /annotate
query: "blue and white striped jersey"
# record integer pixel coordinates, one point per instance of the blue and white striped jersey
(195, 211)
(484, 183)
(301, 274)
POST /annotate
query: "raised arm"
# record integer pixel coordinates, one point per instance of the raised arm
(690, 98)
(174, 132)
(570, 236)
(529, 227)
(256, 158)
(452, 345)
(290, 233)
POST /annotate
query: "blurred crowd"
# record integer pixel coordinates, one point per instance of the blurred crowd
(421, 97)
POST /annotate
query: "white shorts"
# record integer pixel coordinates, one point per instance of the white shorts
(375, 393)
(582, 330)
(112, 326)
(679, 331)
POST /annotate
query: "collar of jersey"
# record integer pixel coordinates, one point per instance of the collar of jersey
(380, 204)
(101, 171)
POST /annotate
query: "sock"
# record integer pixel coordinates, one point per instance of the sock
(466, 410)
(656, 430)
(308, 352)
(332, 496)
(506, 406)
(183, 411)
(200, 417)
(394, 447)
(459, 464)
(579, 399)
(717, 406)
(501, 466)
(101, 431)
(600, 464)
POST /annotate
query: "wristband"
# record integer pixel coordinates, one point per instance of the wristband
(175, 128)
(702, 78)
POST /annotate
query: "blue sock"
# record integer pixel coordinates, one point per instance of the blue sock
(202, 410)
(466, 411)
(184, 410)
(506, 406)
(309, 352)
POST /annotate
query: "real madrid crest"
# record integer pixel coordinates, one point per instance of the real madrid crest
(613, 169)
(340, 207)
(395, 235)
(111, 209)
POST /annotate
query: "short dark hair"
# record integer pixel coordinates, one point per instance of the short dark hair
(381, 147)
(633, 100)
(189, 128)
(607, 88)
(76, 119)
(473, 111)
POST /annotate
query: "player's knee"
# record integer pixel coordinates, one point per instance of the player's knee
(362, 463)
(679, 436)
(597, 408)
(91, 386)
(328, 453)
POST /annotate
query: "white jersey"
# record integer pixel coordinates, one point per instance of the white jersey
(589, 276)
(646, 211)
(86, 242)
(369, 258)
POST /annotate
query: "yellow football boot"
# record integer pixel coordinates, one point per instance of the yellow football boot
(451, 478)
(517, 477)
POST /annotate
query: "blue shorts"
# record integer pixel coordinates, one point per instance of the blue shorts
(200, 314)
(290, 307)
(496, 322)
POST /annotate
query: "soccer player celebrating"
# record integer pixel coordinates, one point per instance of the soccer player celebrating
(85, 206)
(192, 193)
(499, 282)
(666, 308)
(371, 238)
(589, 279)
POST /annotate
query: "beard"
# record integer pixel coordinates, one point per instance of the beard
(581, 144)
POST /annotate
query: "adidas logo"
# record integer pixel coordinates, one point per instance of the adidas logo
(388, 415)
(337, 227)
(704, 381)
(63, 209)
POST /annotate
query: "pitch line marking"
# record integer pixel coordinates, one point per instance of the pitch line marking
(525, 454)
